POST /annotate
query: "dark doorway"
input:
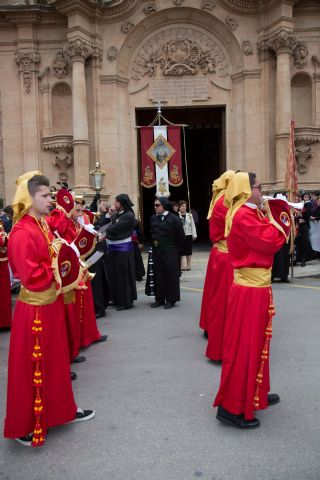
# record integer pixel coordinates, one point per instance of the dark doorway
(205, 153)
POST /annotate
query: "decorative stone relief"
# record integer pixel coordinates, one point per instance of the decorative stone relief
(263, 50)
(300, 53)
(126, 27)
(63, 160)
(246, 47)
(78, 50)
(208, 5)
(179, 52)
(44, 80)
(97, 56)
(150, 8)
(27, 62)
(112, 53)
(303, 154)
(282, 40)
(178, 3)
(60, 65)
(231, 22)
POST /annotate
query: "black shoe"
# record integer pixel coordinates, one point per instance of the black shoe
(83, 415)
(79, 359)
(73, 376)
(25, 441)
(157, 303)
(273, 399)
(285, 280)
(303, 264)
(237, 421)
(112, 304)
(205, 333)
(169, 305)
(103, 338)
(100, 315)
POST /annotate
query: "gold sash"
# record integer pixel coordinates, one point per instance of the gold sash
(38, 298)
(252, 277)
(222, 246)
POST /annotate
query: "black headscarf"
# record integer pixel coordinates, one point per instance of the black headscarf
(125, 201)
(165, 202)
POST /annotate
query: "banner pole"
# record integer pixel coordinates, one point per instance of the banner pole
(185, 162)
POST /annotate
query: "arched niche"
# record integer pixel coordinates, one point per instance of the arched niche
(61, 108)
(301, 97)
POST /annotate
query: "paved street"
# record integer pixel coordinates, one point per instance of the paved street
(152, 389)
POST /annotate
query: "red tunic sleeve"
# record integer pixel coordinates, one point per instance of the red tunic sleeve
(30, 260)
(253, 240)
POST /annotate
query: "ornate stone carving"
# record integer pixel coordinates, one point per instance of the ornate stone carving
(263, 50)
(126, 27)
(282, 40)
(208, 5)
(178, 3)
(179, 52)
(27, 62)
(44, 80)
(150, 8)
(97, 56)
(246, 47)
(61, 146)
(303, 154)
(300, 53)
(112, 53)
(231, 22)
(78, 50)
(60, 65)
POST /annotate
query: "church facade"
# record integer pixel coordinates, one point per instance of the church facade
(74, 75)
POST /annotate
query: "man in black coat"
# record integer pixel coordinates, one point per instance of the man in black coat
(167, 239)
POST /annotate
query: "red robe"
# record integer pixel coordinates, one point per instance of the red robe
(252, 243)
(217, 285)
(5, 292)
(80, 315)
(30, 261)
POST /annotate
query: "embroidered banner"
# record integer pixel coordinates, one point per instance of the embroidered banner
(148, 178)
(175, 164)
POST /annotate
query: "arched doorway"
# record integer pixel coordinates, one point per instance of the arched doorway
(203, 152)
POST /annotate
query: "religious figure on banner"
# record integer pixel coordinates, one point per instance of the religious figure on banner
(161, 151)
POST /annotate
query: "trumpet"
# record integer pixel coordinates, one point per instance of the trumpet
(295, 206)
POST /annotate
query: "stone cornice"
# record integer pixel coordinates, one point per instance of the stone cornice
(56, 143)
(307, 134)
(114, 80)
(93, 8)
(246, 74)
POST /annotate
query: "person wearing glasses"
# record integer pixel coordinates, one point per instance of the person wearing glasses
(253, 237)
(167, 240)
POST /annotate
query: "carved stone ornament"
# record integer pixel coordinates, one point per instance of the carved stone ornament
(97, 56)
(231, 22)
(178, 3)
(303, 154)
(300, 53)
(208, 5)
(27, 62)
(112, 53)
(126, 27)
(78, 50)
(150, 8)
(179, 52)
(283, 40)
(60, 65)
(263, 50)
(246, 47)
(61, 146)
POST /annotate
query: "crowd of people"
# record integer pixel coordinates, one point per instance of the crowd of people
(73, 262)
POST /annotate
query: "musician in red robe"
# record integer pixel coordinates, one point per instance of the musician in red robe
(80, 314)
(219, 273)
(39, 393)
(252, 239)
(5, 287)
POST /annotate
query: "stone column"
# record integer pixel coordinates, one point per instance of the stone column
(281, 45)
(45, 91)
(28, 61)
(78, 51)
(316, 80)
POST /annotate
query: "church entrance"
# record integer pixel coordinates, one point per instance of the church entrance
(205, 155)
